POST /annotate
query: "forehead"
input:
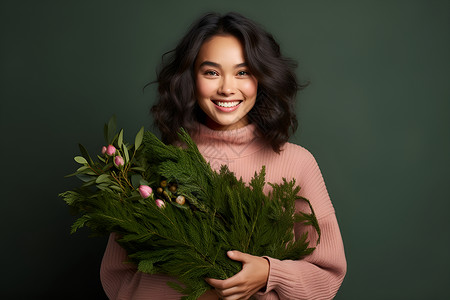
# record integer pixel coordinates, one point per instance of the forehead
(221, 49)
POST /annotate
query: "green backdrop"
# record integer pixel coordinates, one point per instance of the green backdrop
(376, 116)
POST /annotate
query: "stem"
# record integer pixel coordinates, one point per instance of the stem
(97, 172)
(118, 181)
(251, 233)
(124, 173)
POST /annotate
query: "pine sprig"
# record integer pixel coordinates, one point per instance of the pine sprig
(187, 241)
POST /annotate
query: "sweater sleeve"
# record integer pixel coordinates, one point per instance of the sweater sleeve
(319, 275)
(121, 280)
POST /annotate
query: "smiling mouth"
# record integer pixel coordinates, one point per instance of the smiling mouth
(227, 104)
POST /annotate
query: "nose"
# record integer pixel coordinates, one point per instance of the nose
(227, 86)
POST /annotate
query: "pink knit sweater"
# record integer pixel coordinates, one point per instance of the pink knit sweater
(318, 276)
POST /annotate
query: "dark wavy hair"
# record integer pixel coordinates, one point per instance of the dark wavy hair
(273, 113)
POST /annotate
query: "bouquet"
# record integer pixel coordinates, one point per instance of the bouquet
(175, 215)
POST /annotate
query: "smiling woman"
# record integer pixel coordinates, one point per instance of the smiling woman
(228, 85)
(225, 89)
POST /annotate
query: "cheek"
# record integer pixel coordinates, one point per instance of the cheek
(204, 88)
(250, 88)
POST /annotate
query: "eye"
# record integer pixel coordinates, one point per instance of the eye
(211, 73)
(243, 73)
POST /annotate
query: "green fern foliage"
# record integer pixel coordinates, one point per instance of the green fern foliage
(186, 239)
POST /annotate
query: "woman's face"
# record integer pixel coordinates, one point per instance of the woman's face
(225, 89)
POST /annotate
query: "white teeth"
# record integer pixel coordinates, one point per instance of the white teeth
(227, 104)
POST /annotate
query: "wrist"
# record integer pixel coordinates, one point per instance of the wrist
(267, 272)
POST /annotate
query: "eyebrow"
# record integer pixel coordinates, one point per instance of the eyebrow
(216, 65)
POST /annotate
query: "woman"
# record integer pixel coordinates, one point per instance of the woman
(228, 85)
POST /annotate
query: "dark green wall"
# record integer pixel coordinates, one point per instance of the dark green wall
(376, 116)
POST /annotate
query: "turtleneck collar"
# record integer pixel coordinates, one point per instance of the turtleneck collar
(231, 144)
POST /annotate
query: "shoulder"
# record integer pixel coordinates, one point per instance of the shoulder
(293, 161)
(296, 154)
(290, 147)
(296, 162)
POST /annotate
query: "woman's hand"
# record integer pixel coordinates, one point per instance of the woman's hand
(252, 277)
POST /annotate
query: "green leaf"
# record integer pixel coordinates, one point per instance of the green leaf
(140, 169)
(88, 182)
(135, 180)
(85, 170)
(115, 187)
(111, 129)
(114, 139)
(70, 175)
(84, 177)
(104, 188)
(138, 139)
(103, 178)
(120, 139)
(143, 182)
(125, 153)
(85, 154)
(82, 169)
(80, 160)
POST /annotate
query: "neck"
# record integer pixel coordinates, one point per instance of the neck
(232, 143)
(216, 126)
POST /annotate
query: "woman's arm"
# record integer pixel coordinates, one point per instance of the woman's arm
(318, 276)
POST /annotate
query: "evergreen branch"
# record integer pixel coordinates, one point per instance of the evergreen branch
(312, 218)
(188, 241)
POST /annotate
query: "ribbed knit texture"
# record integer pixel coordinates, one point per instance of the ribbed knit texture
(318, 276)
